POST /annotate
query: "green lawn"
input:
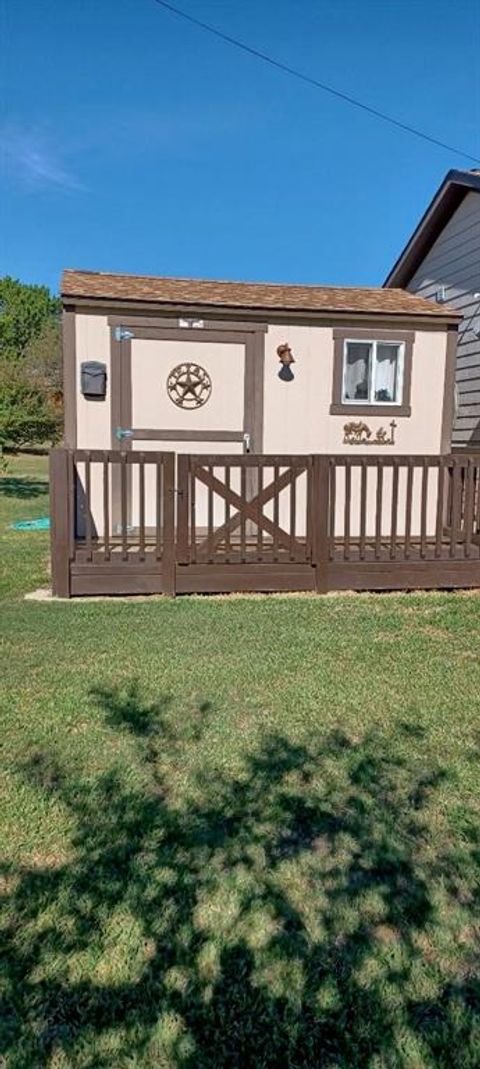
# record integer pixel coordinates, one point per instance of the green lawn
(236, 832)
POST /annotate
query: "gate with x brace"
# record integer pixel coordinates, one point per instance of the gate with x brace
(244, 523)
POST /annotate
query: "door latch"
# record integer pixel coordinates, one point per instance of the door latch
(246, 442)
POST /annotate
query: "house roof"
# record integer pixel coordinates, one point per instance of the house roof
(448, 197)
(98, 286)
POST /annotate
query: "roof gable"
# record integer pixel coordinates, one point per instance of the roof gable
(447, 199)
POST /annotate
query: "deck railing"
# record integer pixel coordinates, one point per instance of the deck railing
(111, 511)
(394, 505)
(128, 521)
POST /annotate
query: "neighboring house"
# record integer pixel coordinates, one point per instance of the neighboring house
(442, 262)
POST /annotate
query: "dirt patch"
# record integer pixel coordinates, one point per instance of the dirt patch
(435, 632)
(386, 934)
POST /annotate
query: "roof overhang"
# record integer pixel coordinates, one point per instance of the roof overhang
(269, 300)
(447, 199)
(125, 308)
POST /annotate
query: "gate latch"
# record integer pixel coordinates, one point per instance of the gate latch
(123, 432)
(246, 442)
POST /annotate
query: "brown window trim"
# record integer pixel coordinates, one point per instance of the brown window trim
(341, 408)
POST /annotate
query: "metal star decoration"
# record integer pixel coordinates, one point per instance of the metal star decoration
(189, 385)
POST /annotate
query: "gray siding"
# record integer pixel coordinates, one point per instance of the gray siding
(454, 262)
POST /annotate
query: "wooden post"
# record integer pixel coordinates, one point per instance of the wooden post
(468, 507)
(319, 489)
(168, 555)
(183, 461)
(456, 507)
(61, 513)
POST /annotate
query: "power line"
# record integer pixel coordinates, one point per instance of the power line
(312, 81)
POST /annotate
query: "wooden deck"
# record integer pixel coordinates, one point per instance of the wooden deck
(250, 540)
(368, 567)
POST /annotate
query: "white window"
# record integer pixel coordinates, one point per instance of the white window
(372, 372)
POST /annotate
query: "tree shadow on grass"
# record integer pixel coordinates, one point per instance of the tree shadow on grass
(22, 488)
(286, 915)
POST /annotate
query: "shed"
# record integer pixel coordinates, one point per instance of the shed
(194, 365)
(244, 436)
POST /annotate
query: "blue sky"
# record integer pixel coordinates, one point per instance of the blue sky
(134, 142)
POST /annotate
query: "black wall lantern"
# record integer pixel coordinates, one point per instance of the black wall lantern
(286, 358)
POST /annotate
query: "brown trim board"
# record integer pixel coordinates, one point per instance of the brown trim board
(108, 306)
(178, 334)
(448, 411)
(171, 322)
(120, 363)
(340, 408)
(152, 435)
(253, 394)
(126, 385)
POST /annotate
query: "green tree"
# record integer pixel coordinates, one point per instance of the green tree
(24, 310)
(28, 414)
(43, 360)
(30, 365)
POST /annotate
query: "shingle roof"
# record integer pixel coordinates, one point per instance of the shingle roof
(247, 295)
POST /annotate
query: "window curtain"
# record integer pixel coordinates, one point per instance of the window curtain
(386, 376)
(357, 371)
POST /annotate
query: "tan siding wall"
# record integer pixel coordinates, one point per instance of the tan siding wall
(93, 417)
(296, 414)
(297, 418)
(454, 262)
(92, 340)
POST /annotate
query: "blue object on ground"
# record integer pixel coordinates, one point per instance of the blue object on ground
(42, 524)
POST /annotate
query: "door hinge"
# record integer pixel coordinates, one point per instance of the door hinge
(122, 334)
